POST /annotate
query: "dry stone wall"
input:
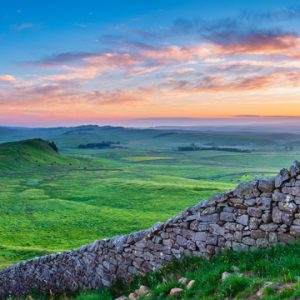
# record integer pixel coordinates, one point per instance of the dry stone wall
(256, 214)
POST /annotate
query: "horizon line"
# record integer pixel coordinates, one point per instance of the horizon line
(233, 121)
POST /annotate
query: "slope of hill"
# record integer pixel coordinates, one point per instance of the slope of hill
(31, 153)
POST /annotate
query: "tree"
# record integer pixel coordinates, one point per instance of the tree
(53, 146)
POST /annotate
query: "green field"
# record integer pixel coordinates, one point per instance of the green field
(52, 201)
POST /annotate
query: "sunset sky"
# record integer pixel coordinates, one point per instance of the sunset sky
(77, 62)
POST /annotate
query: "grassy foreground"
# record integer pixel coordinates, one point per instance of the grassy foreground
(274, 273)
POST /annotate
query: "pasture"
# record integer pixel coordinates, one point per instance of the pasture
(57, 201)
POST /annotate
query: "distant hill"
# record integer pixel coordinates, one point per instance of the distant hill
(166, 138)
(30, 153)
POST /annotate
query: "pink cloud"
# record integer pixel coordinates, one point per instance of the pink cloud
(219, 84)
(288, 45)
(7, 78)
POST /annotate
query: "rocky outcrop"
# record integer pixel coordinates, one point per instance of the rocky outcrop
(256, 214)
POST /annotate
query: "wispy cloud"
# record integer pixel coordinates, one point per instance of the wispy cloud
(7, 78)
(62, 58)
(22, 26)
(119, 96)
(217, 83)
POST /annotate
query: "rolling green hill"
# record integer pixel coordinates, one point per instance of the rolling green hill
(28, 154)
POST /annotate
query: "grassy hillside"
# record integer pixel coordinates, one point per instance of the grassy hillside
(28, 154)
(57, 201)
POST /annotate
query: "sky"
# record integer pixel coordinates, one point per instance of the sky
(114, 62)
